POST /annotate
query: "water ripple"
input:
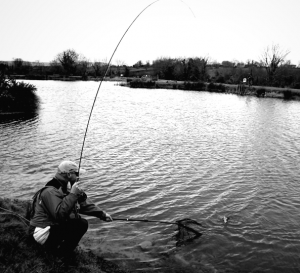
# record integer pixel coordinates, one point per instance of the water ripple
(168, 155)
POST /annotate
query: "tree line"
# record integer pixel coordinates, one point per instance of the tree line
(67, 63)
(271, 69)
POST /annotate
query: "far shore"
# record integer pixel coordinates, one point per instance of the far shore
(242, 90)
(270, 92)
(149, 83)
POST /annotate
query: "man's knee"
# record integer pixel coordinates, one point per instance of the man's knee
(80, 225)
(84, 225)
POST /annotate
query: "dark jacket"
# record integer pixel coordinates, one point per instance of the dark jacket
(53, 205)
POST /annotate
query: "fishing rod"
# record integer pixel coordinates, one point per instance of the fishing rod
(186, 227)
(106, 70)
(107, 67)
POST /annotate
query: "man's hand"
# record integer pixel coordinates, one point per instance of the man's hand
(75, 189)
(108, 218)
(82, 198)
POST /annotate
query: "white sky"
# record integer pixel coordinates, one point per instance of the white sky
(37, 30)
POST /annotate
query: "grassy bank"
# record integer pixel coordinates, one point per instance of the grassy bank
(19, 253)
(258, 91)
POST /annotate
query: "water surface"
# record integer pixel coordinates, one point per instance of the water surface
(168, 155)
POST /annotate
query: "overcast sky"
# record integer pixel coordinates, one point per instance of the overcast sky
(37, 30)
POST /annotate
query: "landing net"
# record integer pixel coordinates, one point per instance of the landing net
(187, 231)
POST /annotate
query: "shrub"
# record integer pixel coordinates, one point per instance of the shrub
(142, 84)
(220, 79)
(17, 96)
(296, 85)
(287, 94)
(261, 92)
(199, 86)
(212, 87)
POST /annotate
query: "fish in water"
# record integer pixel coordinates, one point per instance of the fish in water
(146, 245)
(225, 219)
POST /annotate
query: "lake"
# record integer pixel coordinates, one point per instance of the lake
(167, 155)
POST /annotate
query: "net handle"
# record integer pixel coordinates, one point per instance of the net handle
(144, 220)
(162, 222)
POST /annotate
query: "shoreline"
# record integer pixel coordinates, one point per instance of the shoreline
(18, 253)
(286, 94)
(270, 92)
(235, 89)
(173, 84)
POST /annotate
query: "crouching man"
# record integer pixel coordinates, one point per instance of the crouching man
(55, 221)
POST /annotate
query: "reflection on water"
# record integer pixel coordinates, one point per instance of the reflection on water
(168, 155)
(6, 119)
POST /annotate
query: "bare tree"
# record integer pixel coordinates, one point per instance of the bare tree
(119, 63)
(203, 67)
(18, 64)
(82, 66)
(138, 64)
(271, 59)
(56, 67)
(68, 59)
(99, 67)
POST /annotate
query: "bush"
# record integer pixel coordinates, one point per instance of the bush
(261, 92)
(220, 79)
(197, 86)
(296, 85)
(17, 96)
(287, 94)
(142, 84)
(212, 87)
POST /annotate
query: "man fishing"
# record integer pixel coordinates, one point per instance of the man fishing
(55, 221)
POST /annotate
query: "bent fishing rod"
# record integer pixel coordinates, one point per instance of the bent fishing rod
(106, 70)
(184, 224)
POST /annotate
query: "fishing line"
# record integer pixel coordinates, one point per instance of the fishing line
(108, 65)
(188, 7)
(16, 214)
(107, 68)
(185, 226)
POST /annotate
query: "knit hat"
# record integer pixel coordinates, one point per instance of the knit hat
(68, 166)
